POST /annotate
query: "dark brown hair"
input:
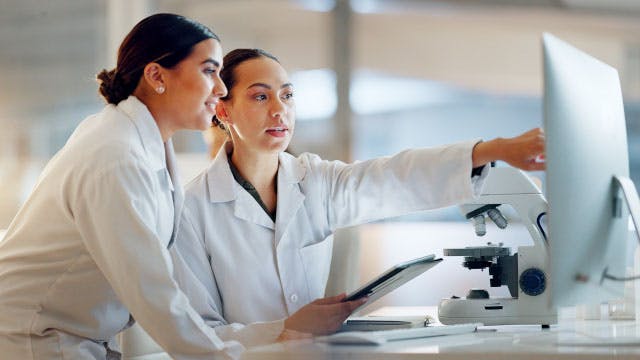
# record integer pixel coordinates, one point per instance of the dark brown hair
(231, 62)
(162, 38)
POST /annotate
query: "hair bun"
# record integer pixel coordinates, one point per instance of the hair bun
(111, 87)
(216, 122)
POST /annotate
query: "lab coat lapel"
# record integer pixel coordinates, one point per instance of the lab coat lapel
(178, 195)
(224, 188)
(248, 209)
(290, 198)
(160, 155)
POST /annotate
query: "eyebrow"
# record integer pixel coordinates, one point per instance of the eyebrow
(211, 61)
(269, 86)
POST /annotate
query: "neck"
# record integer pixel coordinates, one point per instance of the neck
(165, 131)
(155, 108)
(218, 139)
(259, 169)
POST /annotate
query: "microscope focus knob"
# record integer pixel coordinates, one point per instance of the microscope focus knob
(533, 282)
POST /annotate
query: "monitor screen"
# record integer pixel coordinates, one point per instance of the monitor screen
(586, 147)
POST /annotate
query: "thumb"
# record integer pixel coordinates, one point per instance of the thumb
(354, 304)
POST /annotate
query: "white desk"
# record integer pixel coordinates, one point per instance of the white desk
(495, 343)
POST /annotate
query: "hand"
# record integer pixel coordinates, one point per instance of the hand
(525, 151)
(322, 316)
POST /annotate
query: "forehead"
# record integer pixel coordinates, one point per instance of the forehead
(260, 70)
(205, 50)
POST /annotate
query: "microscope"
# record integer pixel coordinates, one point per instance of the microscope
(525, 272)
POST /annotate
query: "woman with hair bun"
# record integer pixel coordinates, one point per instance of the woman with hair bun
(88, 252)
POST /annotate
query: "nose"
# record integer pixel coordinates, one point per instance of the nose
(278, 109)
(219, 89)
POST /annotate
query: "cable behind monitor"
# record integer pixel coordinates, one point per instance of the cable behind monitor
(633, 204)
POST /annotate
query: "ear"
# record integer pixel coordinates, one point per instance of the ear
(154, 77)
(222, 114)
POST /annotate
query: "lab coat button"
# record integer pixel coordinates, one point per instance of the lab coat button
(294, 298)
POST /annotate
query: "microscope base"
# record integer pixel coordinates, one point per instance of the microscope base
(506, 311)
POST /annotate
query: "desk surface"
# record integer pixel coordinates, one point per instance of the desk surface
(570, 339)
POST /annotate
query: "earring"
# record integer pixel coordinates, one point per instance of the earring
(160, 89)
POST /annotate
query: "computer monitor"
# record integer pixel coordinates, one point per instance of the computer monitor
(586, 147)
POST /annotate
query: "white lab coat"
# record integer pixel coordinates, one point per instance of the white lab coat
(90, 246)
(252, 270)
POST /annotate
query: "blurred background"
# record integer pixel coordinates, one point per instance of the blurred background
(372, 77)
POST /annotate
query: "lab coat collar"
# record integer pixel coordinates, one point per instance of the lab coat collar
(220, 181)
(223, 188)
(178, 192)
(148, 130)
(290, 171)
(160, 155)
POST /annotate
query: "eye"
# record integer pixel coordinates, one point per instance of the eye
(288, 96)
(210, 71)
(260, 97)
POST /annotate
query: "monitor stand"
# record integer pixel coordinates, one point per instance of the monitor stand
(630, 335)
(625, 184)
(632, 200)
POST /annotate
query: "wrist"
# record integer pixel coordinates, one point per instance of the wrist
(287, 335)
(487, 151)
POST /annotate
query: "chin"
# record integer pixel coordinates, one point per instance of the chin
(202, 124)
(268, 146)
(278, 148)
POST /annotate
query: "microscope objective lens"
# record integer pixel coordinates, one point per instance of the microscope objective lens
(497, 218)
(479, 225)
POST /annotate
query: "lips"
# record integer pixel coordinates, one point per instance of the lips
(279, 131)
(211, 105)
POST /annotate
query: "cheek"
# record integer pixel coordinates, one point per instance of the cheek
(251, 116)
(254, 112)
(292, 116)
(198, 86)
(205, 86)
(209, 84)
(249, 124)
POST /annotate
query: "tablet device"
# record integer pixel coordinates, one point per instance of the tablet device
(392, 279)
